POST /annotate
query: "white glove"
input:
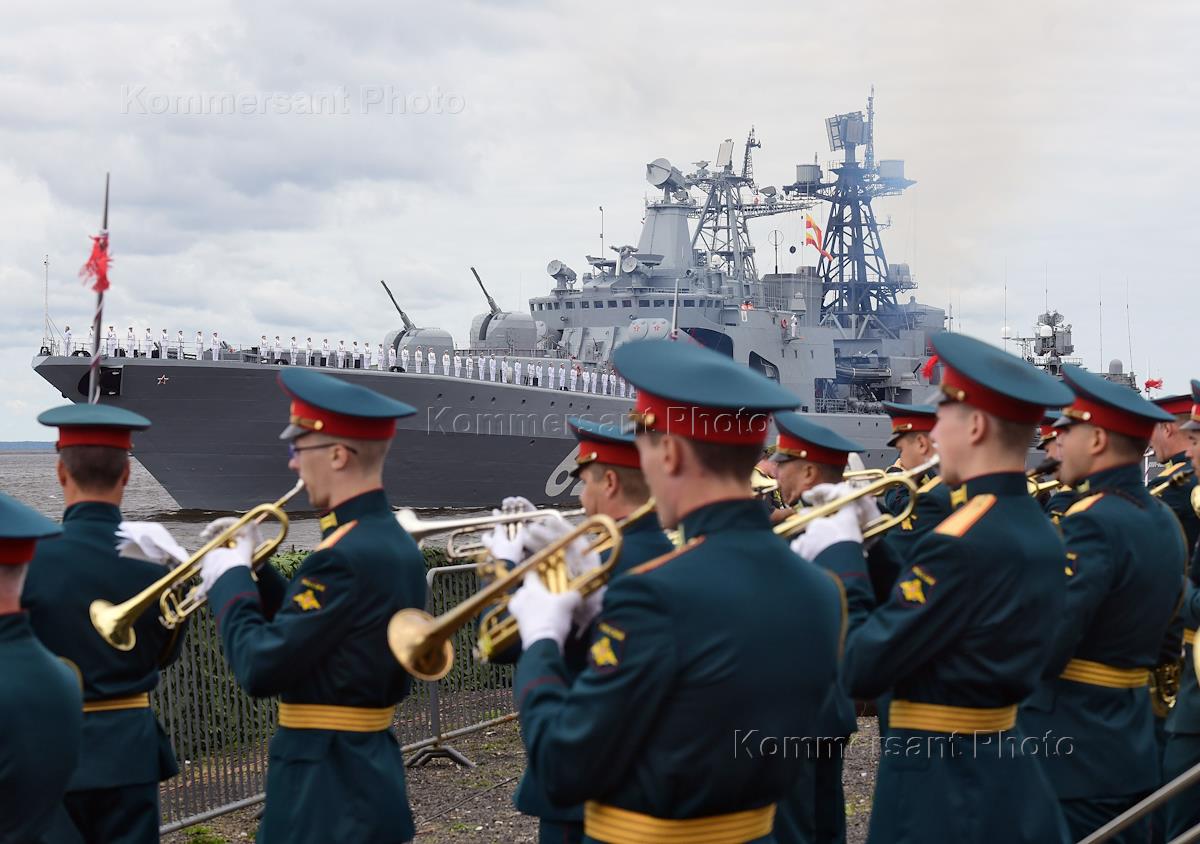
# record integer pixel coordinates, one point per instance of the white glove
(842, 526)
(248, 534)
(149, 541)
(220, 560)
(517, 504)
(543, 532)
(865, 507)
(502, 546)
(542, 614)
(588, 609)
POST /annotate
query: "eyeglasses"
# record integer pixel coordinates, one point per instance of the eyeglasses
(294, 449)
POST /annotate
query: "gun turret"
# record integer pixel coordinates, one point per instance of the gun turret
(408, 323)
(491, 302)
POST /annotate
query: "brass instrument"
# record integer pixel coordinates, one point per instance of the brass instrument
(1164, 686)
(1181, 478)
(794, 525)
(869, 475)
(1196, 500)
(458, 528)
(761, 483)
(1034, 478)
(114, 622)
(422, 643)
(498, 630)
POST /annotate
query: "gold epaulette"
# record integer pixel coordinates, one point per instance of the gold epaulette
(1169, 470)
(929, 484)
(336, 537)
(651, 565)
(1083, 504)
(963, 519)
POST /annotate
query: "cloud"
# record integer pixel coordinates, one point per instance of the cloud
(1050, 144)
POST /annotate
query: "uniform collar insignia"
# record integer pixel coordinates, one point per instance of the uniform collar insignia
(958, 497)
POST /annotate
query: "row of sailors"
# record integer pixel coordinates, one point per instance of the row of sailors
(567, 375)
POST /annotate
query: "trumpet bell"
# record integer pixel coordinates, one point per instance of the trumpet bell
(415, 650)
(108, 620)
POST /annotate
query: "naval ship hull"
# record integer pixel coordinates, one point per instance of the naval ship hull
(215, 440)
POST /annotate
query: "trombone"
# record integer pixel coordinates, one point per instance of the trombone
(422, 643)
(798, 523)
(421, 529)
(114, 622)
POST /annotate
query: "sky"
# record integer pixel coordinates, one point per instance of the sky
(1051, 145)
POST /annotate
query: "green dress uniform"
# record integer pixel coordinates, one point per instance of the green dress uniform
(1182, 750)
(319, 643)
(963, 638)
(815, 810)
(124, 753)
(1124, 577)
(644, 540)
(685, 653)
(40, 703)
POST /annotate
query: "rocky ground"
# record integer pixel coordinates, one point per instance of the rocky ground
(454, 804)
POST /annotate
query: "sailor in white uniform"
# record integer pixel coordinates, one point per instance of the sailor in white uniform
(110, 342)
(354, 360)
(574, 377)
(404, 358)
(147, 344)
(179, 344)
(517, 373)
(482, 369)
(130, 342)
(67, 340)
(325, 352)
(308, 352)
(295, 352)
(216, 347)
(457, 365)
(391, 358)
(446, 363)
(492, 366)
(432, 358)
(418, 360)
(468, 361)
(199, 345)
(551, 382)
(368, 355)
(277, 350)
(341, 354)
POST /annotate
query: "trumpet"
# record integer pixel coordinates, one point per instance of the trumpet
(114, 622)
(420, 529)
(1180, 478)
(1038, 487)
(798, 523)
(761, 485)
(422, 643)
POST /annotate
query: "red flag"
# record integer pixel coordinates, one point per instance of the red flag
(97, 264)
(1154, 384)
(816, 239)
(927, 369)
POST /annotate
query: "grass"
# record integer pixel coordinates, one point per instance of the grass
(203, 835)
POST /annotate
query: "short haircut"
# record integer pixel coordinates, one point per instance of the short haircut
(371, 453)
(94, 468)
(1014, 436)
(830, 474)
(725, 460)
(632, 481)
(1132, 448)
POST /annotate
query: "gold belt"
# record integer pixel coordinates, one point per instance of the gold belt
(940, 718)
(349, 719)
(1189, 636)
(621, 826)
(112, 704)
(1099, 674)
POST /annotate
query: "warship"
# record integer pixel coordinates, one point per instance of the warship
(837, 335)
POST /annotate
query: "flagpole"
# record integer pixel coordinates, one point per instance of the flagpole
(97, 320)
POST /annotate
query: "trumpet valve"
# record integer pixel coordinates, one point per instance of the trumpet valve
(108, 624)
(409, 638)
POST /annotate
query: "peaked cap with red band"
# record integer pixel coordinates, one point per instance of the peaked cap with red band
(328, 405)
(802, 439)
(606, 444)
(94, 424)
(1047, 431)
(688, 390)
(20, 529)
(1108, 405)
(1175, 405)
(992, 380)
(1193, 424)
(910, 419)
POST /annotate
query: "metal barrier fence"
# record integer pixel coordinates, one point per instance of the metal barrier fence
(220, 734)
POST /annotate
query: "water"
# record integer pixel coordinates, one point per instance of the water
(30, 478)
